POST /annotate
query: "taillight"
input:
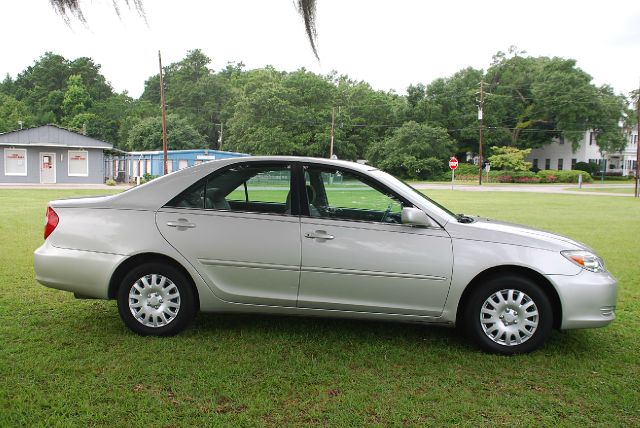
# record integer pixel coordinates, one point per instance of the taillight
(52, 222)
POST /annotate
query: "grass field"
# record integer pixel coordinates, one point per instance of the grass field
(66, 362)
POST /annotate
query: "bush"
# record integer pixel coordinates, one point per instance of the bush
(423, 169)
(466, 169)
(512, 177)
(564, 176)
(464, 172)
(110, 182)
(589, 167)
(617, 178)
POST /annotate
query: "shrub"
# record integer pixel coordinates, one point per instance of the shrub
(589, 167)
(512, 177)
(422, 169)
(527, 179)
(509, 158)
(618, 178)
(466, 169)
(110, 182)
(564, 176)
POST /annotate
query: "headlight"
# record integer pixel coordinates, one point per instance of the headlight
(585, 260)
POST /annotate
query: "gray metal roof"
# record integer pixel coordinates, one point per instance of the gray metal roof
(52, 136)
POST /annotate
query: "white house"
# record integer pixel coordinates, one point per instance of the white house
(559, 154)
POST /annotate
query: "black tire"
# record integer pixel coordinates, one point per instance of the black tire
(516, 320)
(170, 320)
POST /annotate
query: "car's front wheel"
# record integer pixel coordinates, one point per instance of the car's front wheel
(508, 315)
(156, 299)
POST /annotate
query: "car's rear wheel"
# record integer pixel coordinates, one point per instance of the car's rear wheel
(156, 299)
(508, 315)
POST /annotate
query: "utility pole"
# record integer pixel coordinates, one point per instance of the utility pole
(164, 118)
(480, 118)
(333, 125)
(637, 194)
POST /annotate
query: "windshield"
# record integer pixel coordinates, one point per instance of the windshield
(388, 177)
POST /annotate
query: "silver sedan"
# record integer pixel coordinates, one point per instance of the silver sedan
(305, 236)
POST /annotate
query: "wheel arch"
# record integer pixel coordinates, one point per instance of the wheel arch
(138, 259)
(531, 274)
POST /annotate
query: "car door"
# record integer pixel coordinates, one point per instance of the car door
(356, 254)
(238, 229)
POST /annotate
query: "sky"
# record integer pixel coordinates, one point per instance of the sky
(389, 44)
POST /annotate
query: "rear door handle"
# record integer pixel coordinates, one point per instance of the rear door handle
(181, 224)
(318, 234)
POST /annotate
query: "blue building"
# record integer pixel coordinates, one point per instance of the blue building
(127, 166)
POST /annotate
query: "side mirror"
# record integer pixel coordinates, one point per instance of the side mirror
(415, 217)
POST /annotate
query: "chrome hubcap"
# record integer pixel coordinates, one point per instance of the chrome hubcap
(154, 300)
(509, 317)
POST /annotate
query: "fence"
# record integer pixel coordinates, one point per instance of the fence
(125, 169)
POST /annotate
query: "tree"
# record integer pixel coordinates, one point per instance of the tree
(44, 85)
(509, 158)
(12, 112)
(451, 103)
(537, 99)
(282, 113)
(414, 151)
(76, 98)
(147, 135)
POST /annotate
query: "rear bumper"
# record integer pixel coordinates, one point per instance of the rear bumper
(588, 299)
(85, 273)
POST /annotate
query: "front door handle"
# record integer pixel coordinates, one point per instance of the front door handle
(318, 234)
(181, 224)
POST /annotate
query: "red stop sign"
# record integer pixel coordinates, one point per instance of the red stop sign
(453, 163)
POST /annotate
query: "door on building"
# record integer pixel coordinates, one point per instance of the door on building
(47, 168)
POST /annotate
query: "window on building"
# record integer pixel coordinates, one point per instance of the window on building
(561, 141)
(78, 163)
(15, 161)
(634, 140)
(560, 164)
(574, 161)
(547, 164)
(535, 163)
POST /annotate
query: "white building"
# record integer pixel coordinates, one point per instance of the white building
(559, 154)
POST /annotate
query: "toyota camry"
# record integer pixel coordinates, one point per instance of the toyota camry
(317, 237)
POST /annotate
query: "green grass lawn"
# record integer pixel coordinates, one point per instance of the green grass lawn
(67, 362)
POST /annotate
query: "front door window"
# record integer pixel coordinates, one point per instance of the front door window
(342, 195)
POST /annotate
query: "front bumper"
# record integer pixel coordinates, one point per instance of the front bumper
(85, 273)
(588, 299)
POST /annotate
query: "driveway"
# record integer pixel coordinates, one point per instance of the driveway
(63, 186)
(564, 188)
